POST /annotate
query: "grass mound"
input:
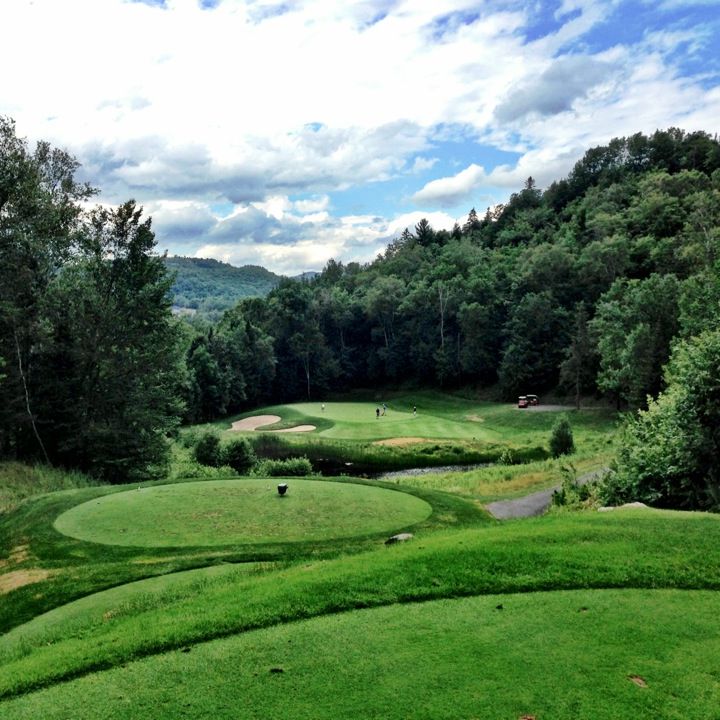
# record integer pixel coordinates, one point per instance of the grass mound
(222, 512)
(605, 655)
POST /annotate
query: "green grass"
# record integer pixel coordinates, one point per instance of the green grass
(453, 430)
(19, 481)
(502, 482)
(29, 542)
(630, 549)
(440, 417)
(549, 655)
(361, 629)
(246, 511)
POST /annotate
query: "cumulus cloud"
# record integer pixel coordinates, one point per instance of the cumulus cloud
(449, 191)
(271, 106)
(555, 90)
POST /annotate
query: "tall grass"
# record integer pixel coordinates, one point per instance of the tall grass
(19, 481)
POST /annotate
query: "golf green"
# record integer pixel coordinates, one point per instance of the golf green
(223, 512)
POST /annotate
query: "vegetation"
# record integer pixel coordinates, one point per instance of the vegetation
(636, 549)
(95, 381)
(557, 648)
(561, 440)
(669, 454)
(210, 287)
(19, 481)
(585, 287)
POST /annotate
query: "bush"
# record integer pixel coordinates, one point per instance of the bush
(207, 450)
(561, 440)
(268, 445)
(670, 455)
(239, 455)
(292, 467)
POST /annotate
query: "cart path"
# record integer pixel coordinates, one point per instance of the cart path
(534, 504)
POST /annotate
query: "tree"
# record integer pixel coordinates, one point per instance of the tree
(115, 350)
(472, 224)
(536, 334)
(39, 215)
(578, 369)
(239, 455)
(670, 454)
(561, 439)
(424, 234)
(635, 323)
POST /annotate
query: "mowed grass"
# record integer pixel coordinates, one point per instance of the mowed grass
(439, 417)
(250, 510)
(603, 655)
(625, 549)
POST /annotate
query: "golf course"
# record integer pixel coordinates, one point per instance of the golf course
(208, 594)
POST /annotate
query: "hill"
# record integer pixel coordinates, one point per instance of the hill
(210, 287)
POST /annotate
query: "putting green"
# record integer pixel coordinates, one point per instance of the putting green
(223, 512)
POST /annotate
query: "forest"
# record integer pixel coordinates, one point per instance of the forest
(210, 287)
(604, 284)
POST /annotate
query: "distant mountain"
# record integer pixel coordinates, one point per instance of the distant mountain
(209, 287)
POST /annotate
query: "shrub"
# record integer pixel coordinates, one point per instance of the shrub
(207, 450)
(561, 440)
(670, 453)
(268, 445)
(292, 467)
(239, 455)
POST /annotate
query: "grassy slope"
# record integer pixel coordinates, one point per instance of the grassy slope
(19, 481)
(640, 549)
(553, 655)
(28, 542)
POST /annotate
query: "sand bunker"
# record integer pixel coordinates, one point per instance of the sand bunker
(297, 428)
(400, 441)
(258, 421)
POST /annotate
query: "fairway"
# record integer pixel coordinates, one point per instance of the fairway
(592, 655)
(438, 417)
(222, 512)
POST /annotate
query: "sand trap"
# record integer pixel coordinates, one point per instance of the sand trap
(258, 421)
(400, 441)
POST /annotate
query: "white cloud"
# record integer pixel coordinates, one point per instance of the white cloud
(449, 191)
(257, 103)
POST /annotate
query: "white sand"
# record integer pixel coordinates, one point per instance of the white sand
(258, 421)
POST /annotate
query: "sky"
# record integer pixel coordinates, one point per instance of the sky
(285, 133)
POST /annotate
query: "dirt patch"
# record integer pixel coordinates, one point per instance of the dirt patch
(19, 578)
(18, 554)
(639, 681)
(297, 428)
(474, 418)
(256, 421)
(399, 442)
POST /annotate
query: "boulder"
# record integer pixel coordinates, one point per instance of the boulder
(400, 537)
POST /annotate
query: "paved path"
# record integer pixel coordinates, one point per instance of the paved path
(535, 504)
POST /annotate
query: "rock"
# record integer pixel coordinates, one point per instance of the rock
(400, 537)
(623, 507)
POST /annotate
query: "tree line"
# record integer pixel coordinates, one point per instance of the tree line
(585, 286)
(596, 285)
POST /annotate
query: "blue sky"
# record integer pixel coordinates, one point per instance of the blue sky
(284, 133)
